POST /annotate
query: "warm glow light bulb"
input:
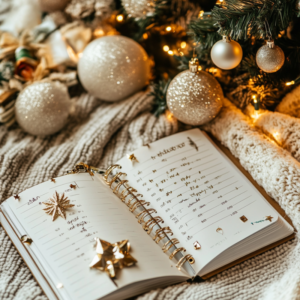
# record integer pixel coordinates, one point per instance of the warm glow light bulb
(169, 28)
(120, 18)
(166, 48)
(170, 52)
(290, 83)
(183, 45)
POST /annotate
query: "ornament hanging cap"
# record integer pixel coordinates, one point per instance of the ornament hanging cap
(226, 39)
(193, 65)
(271, 43)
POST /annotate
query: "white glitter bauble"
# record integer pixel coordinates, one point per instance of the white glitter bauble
(226, 54)
(194, 98)
(139, 8)
(42, 108)
(114, 67)
(270, 58)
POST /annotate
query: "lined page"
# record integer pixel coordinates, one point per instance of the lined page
(199, 193)
(65, 246)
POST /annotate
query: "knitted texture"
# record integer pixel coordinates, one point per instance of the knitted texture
(290, 103)
(284, 129)
(99, 134)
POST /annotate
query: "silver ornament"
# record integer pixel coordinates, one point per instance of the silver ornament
(226, 54)
(270, 58)
(114, 67)
(139, 8)
(42, 108)
(194, 98)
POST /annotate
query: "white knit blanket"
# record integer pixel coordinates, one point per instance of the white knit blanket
(99, 134)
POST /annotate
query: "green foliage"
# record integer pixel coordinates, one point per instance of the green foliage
(159, 91)
(242, 19)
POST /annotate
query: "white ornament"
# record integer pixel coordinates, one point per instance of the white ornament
(42, 108)
(114, 67)
(226, 54)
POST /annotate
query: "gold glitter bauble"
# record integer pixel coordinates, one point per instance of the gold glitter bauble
(194, 98)
(226, 54)
(270, 58)
(42, 108)
(114, 67)
(139, 8)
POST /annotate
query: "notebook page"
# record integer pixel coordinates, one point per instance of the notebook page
(65, 246)
(199, 193)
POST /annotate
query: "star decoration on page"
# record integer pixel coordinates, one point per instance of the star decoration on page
(112, 257)
(57, 205)
(132, 157)
(17, 197)
(269, 218)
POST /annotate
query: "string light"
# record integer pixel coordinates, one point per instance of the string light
(170, 52)
(169, 115)
(120, 18)
(199, 68)
(183, 45)
(201, 13)
(290, 83)
(166, 48)
(169, 28)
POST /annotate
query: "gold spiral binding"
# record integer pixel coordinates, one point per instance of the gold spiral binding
(115, 178)
(116, 189)
(137, 204)
(162, 233)
(134, 197)
(184, 259)
(109, 170)
(148, 225)
(140, 216)
(169, 244)
(176, 251)
(129, 191)
(152, 222)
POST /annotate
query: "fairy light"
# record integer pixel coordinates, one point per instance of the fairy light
(170, 52)
(290, 83)
(199, 68)
(166, 48)
(169, 115)
(183, 45)
(120, 18)
(168, 28)
(201, 13)
(145, 36)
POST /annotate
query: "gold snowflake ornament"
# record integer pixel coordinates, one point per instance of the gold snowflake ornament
(57, 205)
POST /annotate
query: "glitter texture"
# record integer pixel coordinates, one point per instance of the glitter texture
(194, 98)
(226, 55)
(113, 67)
(42, 108)
(139, 8)
(268, 59)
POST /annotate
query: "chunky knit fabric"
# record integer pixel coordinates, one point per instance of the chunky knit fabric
(99, 134)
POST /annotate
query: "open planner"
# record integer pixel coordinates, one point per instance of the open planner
(185, 207)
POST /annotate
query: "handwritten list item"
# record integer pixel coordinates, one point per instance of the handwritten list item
(66, 246)
(199, 193)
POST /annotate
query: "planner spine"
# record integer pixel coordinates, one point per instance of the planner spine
(151, 224)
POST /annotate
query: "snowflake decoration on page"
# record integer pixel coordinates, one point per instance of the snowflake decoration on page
(57, 205)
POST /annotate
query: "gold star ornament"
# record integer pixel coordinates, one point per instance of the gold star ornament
(112, 257)
(269, 218)
(57, 205)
